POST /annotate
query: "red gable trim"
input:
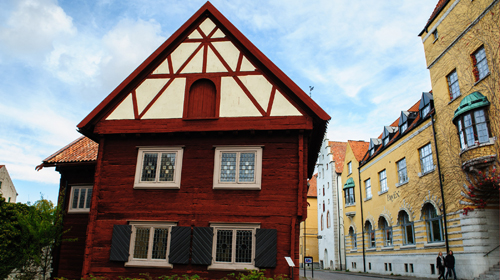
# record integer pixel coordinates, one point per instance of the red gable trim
(176, 39)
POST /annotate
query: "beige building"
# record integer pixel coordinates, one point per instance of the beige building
(7, 189)
(309, 227)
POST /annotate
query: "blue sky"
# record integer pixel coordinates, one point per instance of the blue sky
(60, 59)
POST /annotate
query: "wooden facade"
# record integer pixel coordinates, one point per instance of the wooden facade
(206, 93)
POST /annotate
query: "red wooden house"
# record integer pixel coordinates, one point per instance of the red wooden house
(201, 164)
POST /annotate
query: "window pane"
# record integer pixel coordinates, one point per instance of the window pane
(368, 188)
(141, 243)
(228, 167)
(436, 230)
(167, 167)
(149, 167)
(81, 204)
(453, 84)
(481, 63)
(481, 128)
(160, 243)
(404, 126)
(409, 234)
(426, 159)
(243, 246)
(75, 198)
(89, 197)
(469, 131)
(403, 177)
(247, 167)
(224, 246)
(383, 181)
(461, 134)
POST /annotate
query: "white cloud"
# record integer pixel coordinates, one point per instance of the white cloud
(33, 26)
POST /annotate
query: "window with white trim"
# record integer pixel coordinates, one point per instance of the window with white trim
(453, 86)
(368, 187)
(371, 234)
(159, 167)
(349, 167)
(80, 199)
(402, 174)
(407, 228)
(473, 129)
(149, 244)
(434, 224)
(426, 162)
(234, 246)
(386, 231)
(480, 64)
(238, 168)
(383, 181)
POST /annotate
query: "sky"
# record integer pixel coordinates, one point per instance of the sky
(60, 59)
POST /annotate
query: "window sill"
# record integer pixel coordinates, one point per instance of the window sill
(480, 80)
(401, 184)
(368, 198)
(78, 211)
(156, 186)
(350, 205)
(427, 172)
(434, 244)
(201, 119)
(232, 267)
(412, 246)
(158, 264)
(387, 248)
(353, 251)
(236, 187)
(371, 249)
(456, 97)
(382, 192)
(490, 142)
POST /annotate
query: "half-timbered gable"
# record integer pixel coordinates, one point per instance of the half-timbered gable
(203, 157)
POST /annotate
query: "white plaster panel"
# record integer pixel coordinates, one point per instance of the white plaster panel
(218, 34)
(195, 35)
(181, 53)
(259, 87)
(170, 104)
(124, 111)
(234, 102)
(246, 65)
(163, 68)
(147, 91)
(213, 63)
(228, 52)
(282, 107)
(207, 26)
(196, 64)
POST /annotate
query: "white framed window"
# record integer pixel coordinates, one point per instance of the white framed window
(404, 126)
(473, 129)
(453, 86)
(238, 168)
(234, 246)
(368, 187)
(349, 167)
(158, 167)
(80, 199)
(426, 162)
(402, 174)
(480, 64)
(150, 244)
(382, 176)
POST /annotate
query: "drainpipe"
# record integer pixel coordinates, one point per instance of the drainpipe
(362, 218)
(440, 182)
(338, 215)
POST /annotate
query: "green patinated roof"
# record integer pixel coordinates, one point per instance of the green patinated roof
(349, 184)
(471, 102)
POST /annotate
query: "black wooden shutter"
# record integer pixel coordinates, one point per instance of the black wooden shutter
(266, 247)
(202, 245)
(180, 240)
(120, 243)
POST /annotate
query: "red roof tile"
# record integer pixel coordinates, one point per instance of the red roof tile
(338, 154)
(81, 150)
(439, 7)
(312, 192)
(359, 148)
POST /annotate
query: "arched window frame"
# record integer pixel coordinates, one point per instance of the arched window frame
(386, 231)
(354, 241)
(407, 228)
(371, 235)
(433, 223)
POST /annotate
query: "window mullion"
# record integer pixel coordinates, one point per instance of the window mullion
(238, 155)
(150, 243)
(233, 249)
(158, 167)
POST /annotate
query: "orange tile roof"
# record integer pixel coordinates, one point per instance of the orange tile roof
(312, 192)
(81, 150)
(338, 154)
(359, 148)
(439, 7)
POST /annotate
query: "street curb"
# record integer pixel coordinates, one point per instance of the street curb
(373, 275)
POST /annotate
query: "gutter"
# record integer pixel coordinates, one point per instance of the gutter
(362, 218)
(440, 183)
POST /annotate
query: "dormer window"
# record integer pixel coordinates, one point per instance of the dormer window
(426, 102)
(405, 119)
(374, 143)
(389, 131)
(404, 126)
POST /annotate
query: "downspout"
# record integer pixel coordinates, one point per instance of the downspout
(338, 215)
(440, 182)
(362, 218)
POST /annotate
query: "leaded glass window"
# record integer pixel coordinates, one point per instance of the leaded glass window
(234, 245)
(80, 199)
(149, 243)
(158, 167)
(238, 168)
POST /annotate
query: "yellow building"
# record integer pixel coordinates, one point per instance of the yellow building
(309, 227)
(429, 182)
(461, 43)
